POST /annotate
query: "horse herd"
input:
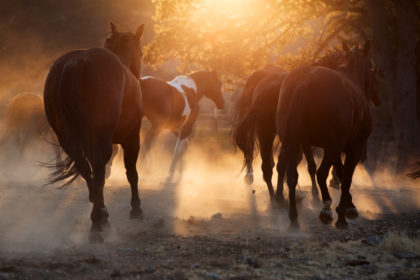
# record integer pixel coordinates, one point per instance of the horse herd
(95, 98)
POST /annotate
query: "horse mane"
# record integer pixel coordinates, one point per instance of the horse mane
(332, 59)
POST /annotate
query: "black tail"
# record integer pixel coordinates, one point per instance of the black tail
(74, 135)
(244, 136)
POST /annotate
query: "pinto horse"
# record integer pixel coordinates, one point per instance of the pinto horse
(244, 102)
(174, 105)
(326, 108)
(92, 99)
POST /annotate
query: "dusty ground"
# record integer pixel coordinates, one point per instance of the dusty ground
(205, 225)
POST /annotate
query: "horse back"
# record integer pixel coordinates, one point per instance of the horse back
(321, 106)
(89, 85)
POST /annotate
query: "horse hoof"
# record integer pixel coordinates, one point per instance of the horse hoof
(294, 226)
(249, 179)
(326, 216)
(96, 237)
(351, 213)
(136, 213)
(341, 224)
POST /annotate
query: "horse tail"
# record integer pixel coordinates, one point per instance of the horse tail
(243, 103)
(244, 136)
(76, 137)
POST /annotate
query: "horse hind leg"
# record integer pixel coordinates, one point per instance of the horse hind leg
(311, 170)
(266, 139)
(109, 163)
(131, 151)
(346, 207)
(281, 170)
(99, 214)
(292, 179)
(326, 214)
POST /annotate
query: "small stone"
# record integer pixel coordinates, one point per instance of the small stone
(213, 276)
(357, 262)
(253, 191)
(158, 222)
(115, 273)
(373, 240)
(251, 262)
(218, 216)
(405, 255)
(196, 265)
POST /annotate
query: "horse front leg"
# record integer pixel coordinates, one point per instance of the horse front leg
(180, 147)
(131, 151)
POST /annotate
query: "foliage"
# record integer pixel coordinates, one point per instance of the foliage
(235, 37)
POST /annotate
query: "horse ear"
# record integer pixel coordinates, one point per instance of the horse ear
(344, 46)
(139, 31)
(366, 48)
(113, 27)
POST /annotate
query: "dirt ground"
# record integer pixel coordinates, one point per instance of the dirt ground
(205, 224)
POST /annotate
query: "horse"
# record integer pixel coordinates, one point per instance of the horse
(260, 121)
(244, 102)
(25, 121)
(92, 99)
(174, 105)
(329, 109)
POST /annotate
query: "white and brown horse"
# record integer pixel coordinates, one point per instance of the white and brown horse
(174, 105)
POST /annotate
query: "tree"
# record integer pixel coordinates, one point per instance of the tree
(235, 37)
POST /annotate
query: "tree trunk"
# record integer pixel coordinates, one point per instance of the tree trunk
(406, 127)
(382, 135)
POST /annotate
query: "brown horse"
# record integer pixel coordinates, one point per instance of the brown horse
(174, 105)
(25, 121)
(244, 102)
(326, 108)
(93, 99)
(260, 121)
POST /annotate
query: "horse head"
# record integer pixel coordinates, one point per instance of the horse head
(359, 63)
(126, 46)
(209, 85)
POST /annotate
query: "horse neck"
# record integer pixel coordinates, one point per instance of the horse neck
(199, 84)
(126, 61)
(354, 74)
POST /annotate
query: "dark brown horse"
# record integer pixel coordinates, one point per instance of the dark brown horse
(93, 99)
(174, 105)
(260, 121)
(326, 108)
(244, 102)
